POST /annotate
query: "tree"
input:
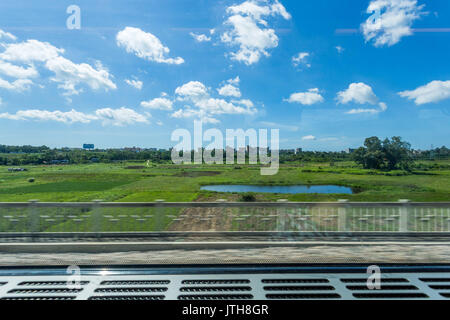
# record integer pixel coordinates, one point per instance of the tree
(397, 154)
(387, 154)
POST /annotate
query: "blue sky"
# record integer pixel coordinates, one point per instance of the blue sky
(324, 72)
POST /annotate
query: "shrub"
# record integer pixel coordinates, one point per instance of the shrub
(248, 197)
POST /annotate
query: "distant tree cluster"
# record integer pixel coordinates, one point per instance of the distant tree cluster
(388, 154)
(376, 154)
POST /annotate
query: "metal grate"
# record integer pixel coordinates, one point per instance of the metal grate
(227, 283)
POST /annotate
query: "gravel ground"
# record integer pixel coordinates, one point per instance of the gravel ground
(314, 254)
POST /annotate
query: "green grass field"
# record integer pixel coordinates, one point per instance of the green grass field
(117, 183)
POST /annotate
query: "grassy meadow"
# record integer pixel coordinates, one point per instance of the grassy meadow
(136, 182)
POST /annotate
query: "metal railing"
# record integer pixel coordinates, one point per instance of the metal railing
(98, 217)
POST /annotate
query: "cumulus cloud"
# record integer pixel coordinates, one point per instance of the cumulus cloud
(18, 85)
(312, 96)
(134, 83)
(158, 104)
(30, 51)
(359, 93)
(200, 37)
(67, 74)
(249, 29)
(301, 58)
(15, 71)
(310, 137)
(245, 102)
(390, 20)
(205, 107)
(230, 89)
(192, 89)
(434, 91)
(145, 45)
(116, 117)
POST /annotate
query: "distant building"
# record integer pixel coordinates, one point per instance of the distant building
(350, 150)
(133, 149)
(298, 150)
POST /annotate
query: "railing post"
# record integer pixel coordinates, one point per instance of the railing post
(281, 217)
(403, 212)
(96, 217)
(342, 215)
(223, 212)
(159, 216)
(33, 216)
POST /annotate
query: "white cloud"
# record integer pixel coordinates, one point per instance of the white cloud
(382, 107)
(67, 73)
(7, 35)
(390, 20)
(134, 83)
(249, 29)
(116, 117)
(246, 102)
(300, 58)
(19, 72)
(434, 91)
(120, 117)
(200, 37)
(70, 74)
(308, 98)
(359, 93)
(229, 90)
(18, 85)
(30, 51)
(339, 49)
(234, 81)
(220, 106)
(72, 116)
(205, 107)
(145, 45)
(192, 89)
(310, 137)
(158, 104)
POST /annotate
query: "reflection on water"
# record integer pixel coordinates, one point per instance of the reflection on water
(279, 189)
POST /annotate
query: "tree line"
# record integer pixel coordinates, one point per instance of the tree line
(387, 154)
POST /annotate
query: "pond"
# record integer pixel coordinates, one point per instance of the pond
(280, 189)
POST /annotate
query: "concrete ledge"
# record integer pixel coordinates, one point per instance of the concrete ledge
(109, 247)
(231, 234)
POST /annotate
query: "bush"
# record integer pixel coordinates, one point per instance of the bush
(248, 197)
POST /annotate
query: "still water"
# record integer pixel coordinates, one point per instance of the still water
(279, 189)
